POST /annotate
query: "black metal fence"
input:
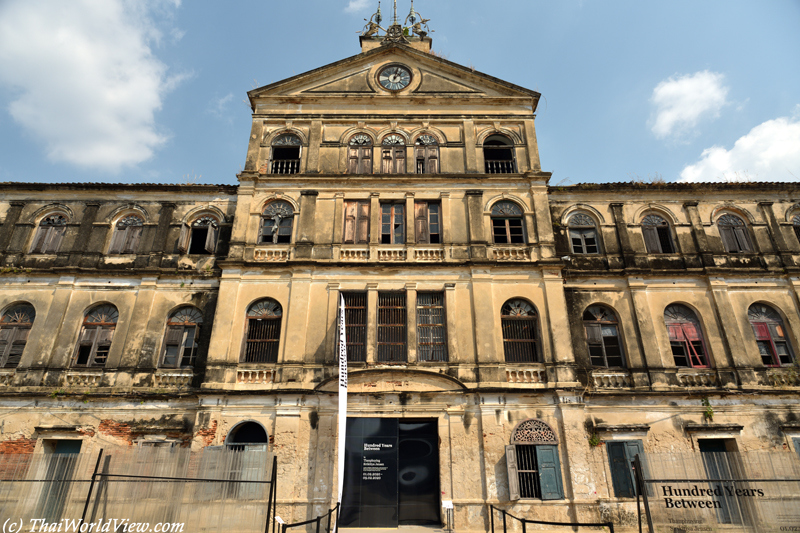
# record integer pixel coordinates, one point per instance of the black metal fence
(524, 522)
(327, 518)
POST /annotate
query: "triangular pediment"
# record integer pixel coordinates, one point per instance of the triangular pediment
(356, 76)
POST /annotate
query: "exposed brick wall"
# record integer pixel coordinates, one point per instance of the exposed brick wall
(208, 434)
(20, 445)
(117, 430)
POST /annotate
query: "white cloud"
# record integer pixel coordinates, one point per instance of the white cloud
(769, 152)
(86, 82)
(354, 6)
(682, 102)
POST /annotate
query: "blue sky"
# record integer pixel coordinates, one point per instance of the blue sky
(154, 90)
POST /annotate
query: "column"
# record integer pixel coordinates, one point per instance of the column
(411, 230)
(544, 222)
(12, 217)
(307, 225)
(477, 237)
(470, 148)
(241, 220)
(162, 231)
(314, 141)
(137, 329)
(699, 233)
(411, 321)
(446, 220)
(643, 318)
(453, 355)
(374, 219)
(622, 235)
(558, 322)
(332, 336)
(778, 238)
(533, 146)
(372, 321)
(254, 146)
(739, 356)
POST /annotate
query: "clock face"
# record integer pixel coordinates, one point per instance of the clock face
(394, 78)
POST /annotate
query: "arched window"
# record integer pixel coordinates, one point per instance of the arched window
(520, 332)
(602, 336)
(199, 237)
(498, 155)
(796, 226)
(685, 337)
(247, 436)
(733, 232)
(534, 468)
(263, 332)
(126, 236)
(507, 225)
(773, 343)
(96, 335)
(426, 153)
(657, 235)
(393, 154)
(50, 234)
(360, 154)
(180, 339)
(15, 325)
(583, 234)
(286, 154)
(276, 223)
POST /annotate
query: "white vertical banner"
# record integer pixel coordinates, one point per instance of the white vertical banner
(342, 393)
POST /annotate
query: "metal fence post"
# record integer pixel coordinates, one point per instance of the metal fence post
(640, 476)
(270, 501)
(504, 521)
(91, 485)
(491, 516)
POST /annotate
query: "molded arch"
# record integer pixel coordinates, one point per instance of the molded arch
(508, 197)
(130, 209)
(534, 431)
(655, 209)
(270, 137)
(771, 305)
(344, 140)
(388, 131)
(50, 209)
(17, 303)
(791, 212)
(440, 138)
(607, 306)
(198, 212)
(691, 307)
(513, 137)
(524, 299)
(261, 299)
(733, 210)
(178, 307)
(230, 438)
(589, 210)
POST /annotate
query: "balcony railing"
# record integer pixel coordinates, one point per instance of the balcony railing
(499, 167)
(286, 166)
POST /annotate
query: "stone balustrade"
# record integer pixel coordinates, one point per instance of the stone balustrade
(392, 254)
(255, 377)
(526, 375)
(6, 378)
(784, 377)
(429, 254)
(354, 254)
(82, 379)
(502, 253)
(271, 255)
(698, 378)
(172, 380)
(611, 380)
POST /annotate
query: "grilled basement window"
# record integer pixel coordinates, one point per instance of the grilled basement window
(15, 326)
(286, 154)
(126, 236)
(534, 468)
(428, 222)
(583, 234)
(426, 153)
(520, 332)
(773, 344)
(431, 327)
(507, 223)
(50, 234)
(356, 222)
(393, 155)
(685, 337)
(498, 155)
(355, 317)
(200, 237)
(391, 327)
(360, 154)
(96, 335)
(180, 339)
(733, 232)
(602, 337)
(276, 223)
(657, 235)
(263, 332)
(393, 223)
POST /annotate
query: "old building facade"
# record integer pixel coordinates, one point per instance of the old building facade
(542, 334)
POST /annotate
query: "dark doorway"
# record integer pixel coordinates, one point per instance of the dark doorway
(718, 466)
(418, 474)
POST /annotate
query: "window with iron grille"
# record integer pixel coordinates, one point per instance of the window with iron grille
(685, 337)
(392, 336)
(180, 339)
(286, 154)
(15, 326)
(583, 234)
(602, 337)
(355, 320)
(276, 223)
(96, 335)
(533, 464)
(126, 236)
(428, 222)
(431, 327)
(520, 332)
(263, 332)
(360, 154)
(356, 222)
(50, 234)
(733, 232)
(507, 223)
(393, 223)
(770, 332)
(657, 235)
(426, 152)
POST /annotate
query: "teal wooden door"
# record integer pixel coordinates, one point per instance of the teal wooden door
(549, 472)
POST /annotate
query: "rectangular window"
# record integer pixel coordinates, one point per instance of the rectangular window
(427, 222)
(507, 231)
(604, 346)
(534, 471)
(94, 345)
(393, 223)
(431, 327)
(391, 327)
(355, 319)
(356, 222)
(180, 348)
(584, 241)
(620, 457)
(687, 346)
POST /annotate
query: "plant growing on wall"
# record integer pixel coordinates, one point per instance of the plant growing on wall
(708, 413)
(594, 440)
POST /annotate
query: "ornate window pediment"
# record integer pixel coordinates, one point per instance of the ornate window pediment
(533, 431)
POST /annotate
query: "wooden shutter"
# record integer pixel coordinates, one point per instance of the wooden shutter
(350, 209)
(5, 335)
(105, 335)
(594, 334)
(183, 240)
(675, 333)
(118, 238)
(399, 160)
(39, 240)
(728, 239)
(132, 242)
(87, 336)
(56, 235)
(761, 330)
(353, 160)
(174, 335)
(742, 239)
(421, 222)
(651, 239)
(620, 470)
(549, 472)
(386, 162)
(362, 227)
(365, 159)
(211, 238)
(432, 161)
(690, 333)
(513, 478)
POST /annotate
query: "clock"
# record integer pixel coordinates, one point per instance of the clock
(394, 77)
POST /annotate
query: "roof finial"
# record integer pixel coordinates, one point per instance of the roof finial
(412, 15)
(395, 13)
(378, 16)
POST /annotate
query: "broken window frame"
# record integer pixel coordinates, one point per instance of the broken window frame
(262, 341)
(686, 334)
(598, 320)
(96, 337)
(520, 327)
(277, 223)
(15, 327)
(126, 235)
(182, 332)
(50, 233)
(508, 223)
(428, 222)
(771, 335)
(657, 235)
(393, 223)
